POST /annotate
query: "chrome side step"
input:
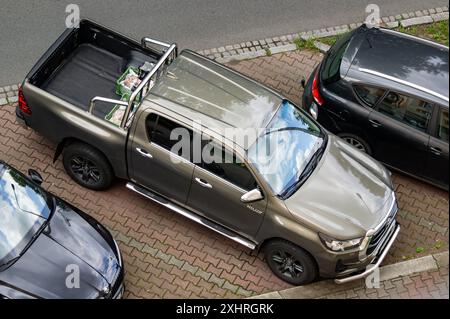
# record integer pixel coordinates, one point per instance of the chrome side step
(192, 216)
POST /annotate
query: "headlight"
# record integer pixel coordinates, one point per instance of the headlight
(340, 245)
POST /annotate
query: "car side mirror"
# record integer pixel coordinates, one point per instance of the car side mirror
(35, 176)
(252, 196)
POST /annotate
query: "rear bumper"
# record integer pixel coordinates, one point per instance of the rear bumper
(20, 119)
(370, 268)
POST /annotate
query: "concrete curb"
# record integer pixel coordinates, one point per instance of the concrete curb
(327, 287)
(285, 43)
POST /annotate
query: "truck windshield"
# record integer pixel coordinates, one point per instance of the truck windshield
(24, 209)
(332, 62)
(283, 152)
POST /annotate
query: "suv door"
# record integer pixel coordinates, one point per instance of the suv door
(217, 188)
(399, 128)
(437, 162)
(153, 165)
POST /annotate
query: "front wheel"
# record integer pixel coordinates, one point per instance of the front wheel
(290, 262)
(87, 166)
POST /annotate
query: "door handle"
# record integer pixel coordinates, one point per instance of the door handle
(144, 152)
(375, 123)
(435, 150)
(203, 183)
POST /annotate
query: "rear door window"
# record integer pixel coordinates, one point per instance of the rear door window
(408, 110)
(168, 134)
(443, 125)
(369, 95)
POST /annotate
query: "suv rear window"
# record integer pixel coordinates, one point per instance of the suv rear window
(408, 110)
(368, 94)
(333, 59)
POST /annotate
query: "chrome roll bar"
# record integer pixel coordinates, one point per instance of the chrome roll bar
(170, 53)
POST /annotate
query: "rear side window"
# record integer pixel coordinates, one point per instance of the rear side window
(167, 134)
(443, 125)
(408, 110)
(368, 94)
(219, 161)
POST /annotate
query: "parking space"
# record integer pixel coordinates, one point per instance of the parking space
(168, 256)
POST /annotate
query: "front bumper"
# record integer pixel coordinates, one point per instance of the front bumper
(370, 268)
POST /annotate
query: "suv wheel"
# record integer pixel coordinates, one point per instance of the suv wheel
(87, 166)
(290, 262)
(357, 142)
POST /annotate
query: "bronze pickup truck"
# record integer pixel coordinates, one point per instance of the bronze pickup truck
(117, 108)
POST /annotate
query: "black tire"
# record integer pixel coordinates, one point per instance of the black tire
(290, 262)
(357, 142)
(87, 166)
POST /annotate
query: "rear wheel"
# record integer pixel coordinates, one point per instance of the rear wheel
(87, 166)
(356, 142)
(290, 262)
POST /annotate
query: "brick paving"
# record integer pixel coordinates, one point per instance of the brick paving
(425, 285)
(168, 256)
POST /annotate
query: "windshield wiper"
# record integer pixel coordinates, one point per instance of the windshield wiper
(306, 172)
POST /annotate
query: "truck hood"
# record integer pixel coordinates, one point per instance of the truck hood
(347, 194)
(69, 242)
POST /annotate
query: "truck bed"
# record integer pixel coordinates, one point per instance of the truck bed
(87, 63)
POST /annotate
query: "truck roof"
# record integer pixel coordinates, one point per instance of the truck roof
(202, 90)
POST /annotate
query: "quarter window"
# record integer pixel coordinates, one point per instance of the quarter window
(443, 125)
(369, 95)
(408, 110)
(219, 161)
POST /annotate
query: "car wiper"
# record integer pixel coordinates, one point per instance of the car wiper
(306, 172)
(319, 134)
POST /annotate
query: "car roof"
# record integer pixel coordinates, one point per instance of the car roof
(202, 90)
(403, 62)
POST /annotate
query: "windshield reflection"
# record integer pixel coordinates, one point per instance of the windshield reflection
(23, 210)
(282, 153)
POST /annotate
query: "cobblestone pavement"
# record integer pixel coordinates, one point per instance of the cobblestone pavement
(425, 285)
(168, 256)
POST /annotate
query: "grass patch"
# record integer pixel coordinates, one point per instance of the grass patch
(437, 31)
(305, 44)
(268, 52)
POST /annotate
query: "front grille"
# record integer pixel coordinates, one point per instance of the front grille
(378, 237)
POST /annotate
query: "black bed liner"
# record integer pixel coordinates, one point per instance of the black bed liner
(87, 64)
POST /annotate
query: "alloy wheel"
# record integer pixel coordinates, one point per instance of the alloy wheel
(354, 142)
(287, 264)
(85, 170)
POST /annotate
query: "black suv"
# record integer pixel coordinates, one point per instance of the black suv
(386, 93)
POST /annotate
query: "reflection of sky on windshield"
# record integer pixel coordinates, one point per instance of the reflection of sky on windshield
(281, 156)
(15, 224)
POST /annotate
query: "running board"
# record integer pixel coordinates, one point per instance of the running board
(192, 216)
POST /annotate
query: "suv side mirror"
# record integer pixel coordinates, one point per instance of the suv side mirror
(35, 176)
(252, 196)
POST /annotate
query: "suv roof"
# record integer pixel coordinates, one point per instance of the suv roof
(401, 60)
(203, 90)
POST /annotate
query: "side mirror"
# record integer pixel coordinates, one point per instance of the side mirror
(252, 196)
(35, 176)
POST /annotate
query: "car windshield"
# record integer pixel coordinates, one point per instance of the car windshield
(332, 62)
(283, 152)
(24, 209)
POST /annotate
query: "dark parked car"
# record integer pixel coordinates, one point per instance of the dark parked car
(386, 93)
(50, 249)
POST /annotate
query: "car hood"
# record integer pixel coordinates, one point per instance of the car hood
(347, 194)
(68, 246)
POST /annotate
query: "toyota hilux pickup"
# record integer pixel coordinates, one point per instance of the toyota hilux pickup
(192, 135)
